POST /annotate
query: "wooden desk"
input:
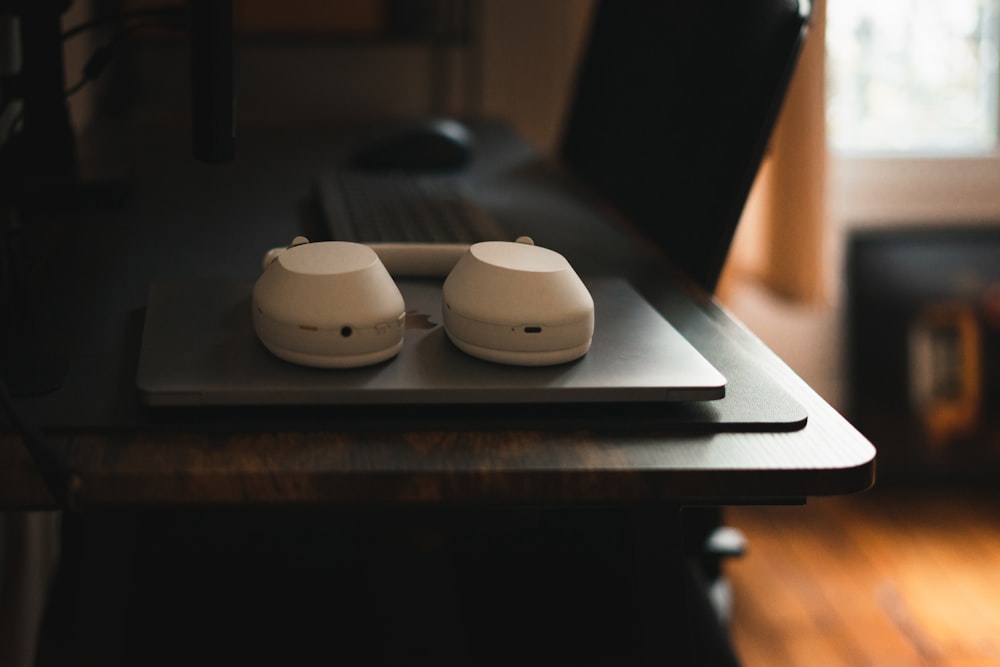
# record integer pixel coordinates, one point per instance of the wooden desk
(182, 219)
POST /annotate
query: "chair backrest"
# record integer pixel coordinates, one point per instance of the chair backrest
(673, 106)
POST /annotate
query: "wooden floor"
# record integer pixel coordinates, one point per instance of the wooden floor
(889, 578)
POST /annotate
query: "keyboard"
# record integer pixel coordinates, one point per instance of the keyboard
(402, 208)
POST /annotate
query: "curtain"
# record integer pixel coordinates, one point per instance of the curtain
(780, 239)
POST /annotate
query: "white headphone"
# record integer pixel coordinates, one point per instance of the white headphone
(334, 304)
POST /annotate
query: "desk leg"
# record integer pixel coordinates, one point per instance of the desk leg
(679, 625)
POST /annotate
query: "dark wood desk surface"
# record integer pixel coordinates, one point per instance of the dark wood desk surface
(178, 218)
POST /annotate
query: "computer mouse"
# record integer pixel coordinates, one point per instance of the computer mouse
(428, 145)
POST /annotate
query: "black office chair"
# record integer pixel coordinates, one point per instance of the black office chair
(673, 108)
(672, 111)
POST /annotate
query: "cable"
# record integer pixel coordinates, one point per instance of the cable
(174, 18)
(102, 57)
(170, 17)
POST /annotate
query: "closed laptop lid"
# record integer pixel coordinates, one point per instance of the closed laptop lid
(199, 348)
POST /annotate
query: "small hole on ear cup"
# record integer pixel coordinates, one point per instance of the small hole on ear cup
(346, 332)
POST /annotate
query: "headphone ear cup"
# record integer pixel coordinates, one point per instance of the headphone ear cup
(331, 304)
(519, 304)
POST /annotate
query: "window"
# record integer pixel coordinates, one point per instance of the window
(912, 111)
(912, 76)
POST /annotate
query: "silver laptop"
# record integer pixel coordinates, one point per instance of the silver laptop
(199, 348)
